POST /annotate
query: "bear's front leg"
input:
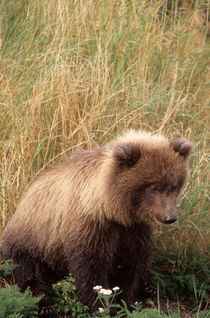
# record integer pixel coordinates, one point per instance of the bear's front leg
(87, 277)
(89, 261)
(127, 278)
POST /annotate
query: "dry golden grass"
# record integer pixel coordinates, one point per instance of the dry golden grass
(78, 72)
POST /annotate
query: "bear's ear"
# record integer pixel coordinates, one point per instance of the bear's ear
(126, 155)
(182, 146)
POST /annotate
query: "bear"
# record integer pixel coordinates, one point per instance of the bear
(93, 215)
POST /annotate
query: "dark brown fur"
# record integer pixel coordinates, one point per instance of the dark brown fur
(93, 216)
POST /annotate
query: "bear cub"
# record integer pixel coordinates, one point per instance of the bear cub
(93, 216)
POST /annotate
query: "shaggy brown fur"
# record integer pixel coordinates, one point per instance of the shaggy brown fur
(92, 216)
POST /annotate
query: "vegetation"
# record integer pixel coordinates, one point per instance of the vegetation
(6, 266)
(66, 299)
(78, 72)
(13, 303)
(184, 277)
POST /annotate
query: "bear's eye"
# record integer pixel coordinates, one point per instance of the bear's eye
(153, 187)
(176, 188)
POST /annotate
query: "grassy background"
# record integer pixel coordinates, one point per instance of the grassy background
(77, 72)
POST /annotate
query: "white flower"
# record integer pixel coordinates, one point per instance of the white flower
(116, 288)
(97, 287)
(100, 309)
(105, 291)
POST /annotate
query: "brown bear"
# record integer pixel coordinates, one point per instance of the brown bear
(93, 214)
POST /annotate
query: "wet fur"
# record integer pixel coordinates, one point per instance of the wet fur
(93, 216)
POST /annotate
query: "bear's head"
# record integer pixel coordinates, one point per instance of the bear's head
(147, 174)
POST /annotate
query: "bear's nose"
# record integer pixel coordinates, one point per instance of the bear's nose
(170, 219)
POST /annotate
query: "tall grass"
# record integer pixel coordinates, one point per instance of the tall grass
(78, 72)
